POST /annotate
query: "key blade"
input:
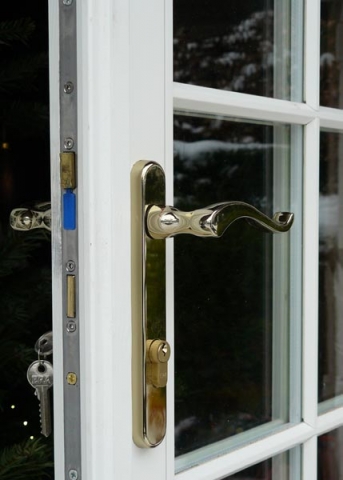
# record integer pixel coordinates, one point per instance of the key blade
(45, 411)
(40, 377)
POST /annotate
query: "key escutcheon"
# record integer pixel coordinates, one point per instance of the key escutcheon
(40, 377)
(158, 354)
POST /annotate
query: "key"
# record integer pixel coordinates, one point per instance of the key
(40, 376)
(44, 345)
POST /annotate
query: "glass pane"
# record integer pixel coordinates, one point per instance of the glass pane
(246, 47)
(331, 50)
(330, 267)
(232, 293)
(276, 468)
(25, 257)
(330, 460)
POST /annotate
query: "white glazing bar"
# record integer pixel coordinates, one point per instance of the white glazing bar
(330, 404)
(331, 118)
(296, 299)
(209, 101)
(56, 240)
(229, 444)
(281, 276)
(330, 421)
(310, 273)
(249, 455)
(309, 459)
(312, 53)
(282, 35)
(295, 463)
(297, 50)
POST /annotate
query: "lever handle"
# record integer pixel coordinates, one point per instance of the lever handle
(150, 223)
(28, 219)
(211, 221)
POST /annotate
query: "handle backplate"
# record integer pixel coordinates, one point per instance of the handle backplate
(150, 351)
(152, 223)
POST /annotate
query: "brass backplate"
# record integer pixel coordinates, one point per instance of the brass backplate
(148, 304)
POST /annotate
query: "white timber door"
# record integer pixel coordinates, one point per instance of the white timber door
(238, 102)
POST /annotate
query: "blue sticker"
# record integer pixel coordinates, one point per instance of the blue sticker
(69, 210)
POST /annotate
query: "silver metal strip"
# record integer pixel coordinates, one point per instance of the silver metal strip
(71, 346)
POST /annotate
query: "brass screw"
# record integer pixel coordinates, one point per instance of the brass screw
(72, 378)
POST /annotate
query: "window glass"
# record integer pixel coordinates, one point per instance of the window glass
(331, 50)
(276, 468)
(330, 461)
(231, 293)
(239, 46)
(330, 268)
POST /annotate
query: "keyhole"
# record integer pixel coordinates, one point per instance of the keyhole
(41, 368)
(165, 350)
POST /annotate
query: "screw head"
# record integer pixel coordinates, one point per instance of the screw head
(73, 475)
(72, 378)
(68, 143)
(68, 87)
(71, 327)
(67, 2)
(70, 266)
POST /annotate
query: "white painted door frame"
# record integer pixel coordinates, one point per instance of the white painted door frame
(122, 83)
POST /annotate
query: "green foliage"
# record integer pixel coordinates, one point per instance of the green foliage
(21, 72)
(25, 273)
(25, 461)
(19, 30)
(22, 104)
(16, 249)
(26, 292)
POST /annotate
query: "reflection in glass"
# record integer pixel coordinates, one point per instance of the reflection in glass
(231, 309)
(330, 266)
(238, 46)
(331, 50)
(276, 468)
(330, 460)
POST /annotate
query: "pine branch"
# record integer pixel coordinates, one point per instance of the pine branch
(26, 117)
(14, 359)
(16, 249)
(25, 461)
(16, 30)
(20, 73)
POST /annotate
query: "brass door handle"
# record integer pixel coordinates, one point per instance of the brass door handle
(30, 218)
(212, 221)
(151, 223)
